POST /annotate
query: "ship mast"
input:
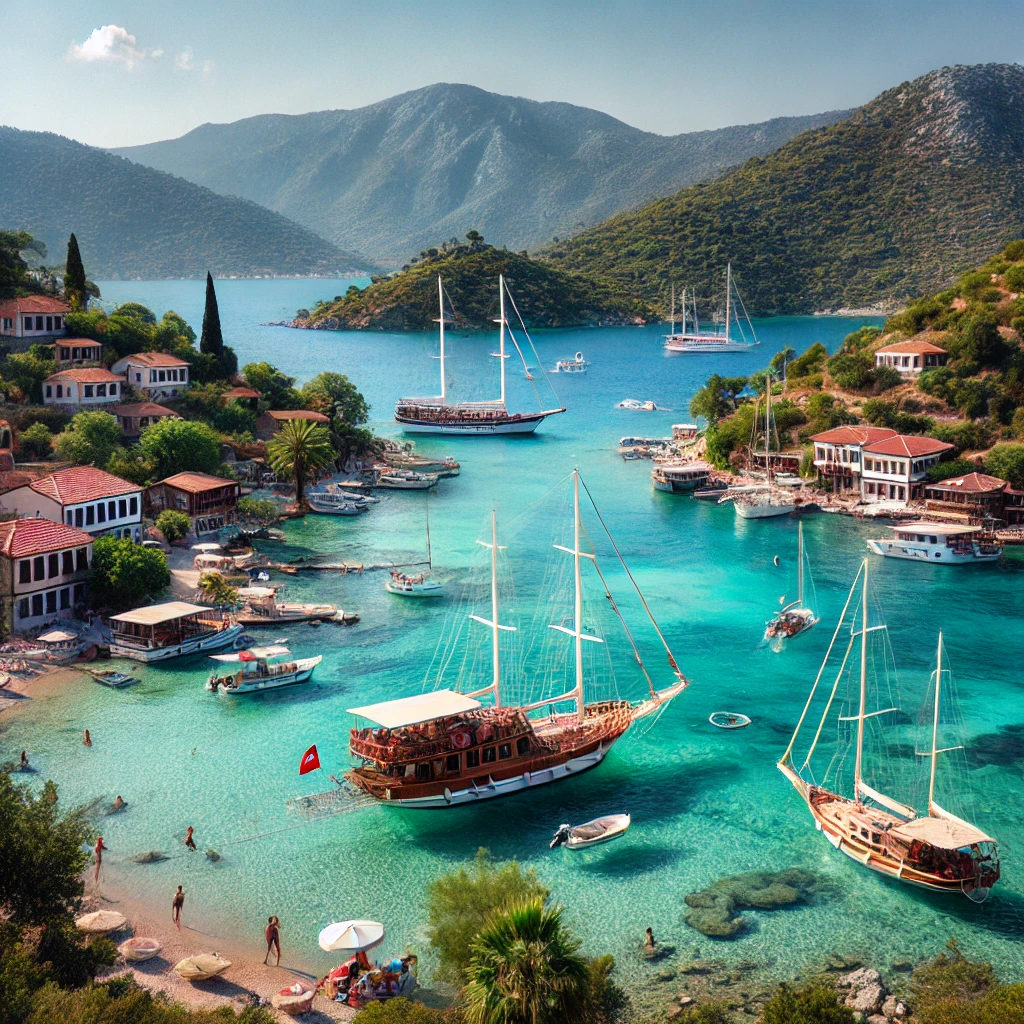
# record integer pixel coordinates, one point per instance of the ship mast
(800, 564)
(493, 624)
(935, 725)
(440, 302)
(728, 297)
(578, 605)
(863, 685)
(672, 330)
(501, 347)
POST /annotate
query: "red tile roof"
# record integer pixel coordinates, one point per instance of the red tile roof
(908, 446)
(912, 347)
(196, 483)
(33, 304)
(80, 342)
(298, 414)
(153, 359)
(21, 538)
(143, 409)
(241, 393)
(854, 435)
(82, 483)
(972, 483)
(88, 375)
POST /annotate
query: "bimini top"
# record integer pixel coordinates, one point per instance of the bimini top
(393, 714)
(274, 651)
(154, 614)
(945, 529)
(943, 833)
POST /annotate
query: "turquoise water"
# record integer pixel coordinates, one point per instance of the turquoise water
(705, 803)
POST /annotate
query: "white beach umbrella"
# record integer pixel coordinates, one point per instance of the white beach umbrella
(352, 936)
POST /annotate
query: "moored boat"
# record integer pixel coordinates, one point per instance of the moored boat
(718, 339)
(171, 630)
(115, 680)
(769, 502)
(591, 833)
(260, 668)
(938, 544)
(794, 618)
(416, 584)
(681, 477)
(407, 480)
(261, 608)
(575, 365)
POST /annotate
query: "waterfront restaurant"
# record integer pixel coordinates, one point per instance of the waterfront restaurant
(974, 499)
(909, 358)
(837, 453)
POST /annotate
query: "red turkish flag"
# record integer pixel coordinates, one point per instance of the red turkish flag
(310, 761)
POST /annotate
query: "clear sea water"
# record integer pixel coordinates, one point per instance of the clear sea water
(705, 803)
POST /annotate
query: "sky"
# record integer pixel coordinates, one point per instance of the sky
(122, 73)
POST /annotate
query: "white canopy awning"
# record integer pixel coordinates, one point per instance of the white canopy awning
(939, 529)
(943, 833)
(154, 614)
(274, 651)
(393, 714)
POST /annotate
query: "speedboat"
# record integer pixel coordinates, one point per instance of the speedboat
(413, 586)
(592, 833)
(333, 503)
(260, 668)
(576, 365)
(407, 480)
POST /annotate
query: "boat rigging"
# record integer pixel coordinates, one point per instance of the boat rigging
(715, 340)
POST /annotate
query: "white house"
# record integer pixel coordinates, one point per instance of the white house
(909, 358)
(84, 497)
(895, 469)
(39, 317)
(86, 386)
(43, 570)
(837, 453)
(159, 374)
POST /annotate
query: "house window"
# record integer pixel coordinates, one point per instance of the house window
(133, 506)
(65, 598)
(82, 559)
(60, 391)
(53, 566)
(101, 390)
(152, 376)
(78, 517)
(855, 455)
(70, 517)
(163, 376)
(90, 515)
(51, 602)
(28, 323)
(113, 390)
(8, 323)
(49, 323)
(101, 512)
(79, 593)
(38, 567)
(472, 758)
(23, 608)
(67, 560)
(49, 391)
(24, 571)
(87, 391)
(37, 605)
(57, 323)
(111, 509)
(122, 508)
(138, 378)
(39, 323)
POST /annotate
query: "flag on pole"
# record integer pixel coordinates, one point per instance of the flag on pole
(310, 761)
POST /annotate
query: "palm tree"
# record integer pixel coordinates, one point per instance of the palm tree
(299, 447)
(215, 588)
(526, 969)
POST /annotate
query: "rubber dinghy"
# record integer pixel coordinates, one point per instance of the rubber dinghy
(729, 720)
(591, 833)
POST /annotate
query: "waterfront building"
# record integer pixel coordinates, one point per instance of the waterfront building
(37, 317)
(43, 570)
(895, 469)
(837, 453)
(909, 358)
(159, 374)
(972, 498)
(84, 497)
(89, 386)
(136, 416)
(210, 501)
(274, 419)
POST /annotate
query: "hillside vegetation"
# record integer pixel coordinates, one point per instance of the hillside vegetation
(391, 178)
(893, 201)
(407, 301)
(136, 223)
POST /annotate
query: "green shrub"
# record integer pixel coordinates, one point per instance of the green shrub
(1014, 278)
(948, 470)
(258, 510)
(402, 1011)
(1007, 462)
(965, 436)
(36, 443)
(809, 362)
(124, 574)
(1014, 251)
(809, 1004)
(173, 524)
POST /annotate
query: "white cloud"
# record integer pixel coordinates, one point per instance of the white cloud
(157, 54)
(111, 43)
(209, 67)
(183, 61)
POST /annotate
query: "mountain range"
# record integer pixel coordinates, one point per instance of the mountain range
(138, 223)
(893, 201)
(395, 177)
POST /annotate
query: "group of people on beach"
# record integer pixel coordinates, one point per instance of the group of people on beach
(358, 982)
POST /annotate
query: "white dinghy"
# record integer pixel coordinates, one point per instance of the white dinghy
(591, 833)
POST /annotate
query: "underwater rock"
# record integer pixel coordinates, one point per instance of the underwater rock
(713, 911)
(150, 857)
(902, 966)
(842, 963)
(213, 856)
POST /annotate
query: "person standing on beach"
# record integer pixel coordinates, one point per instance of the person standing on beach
(98, 850)
(189, 841)
(273, 935)
(88, 739)
(176, 904)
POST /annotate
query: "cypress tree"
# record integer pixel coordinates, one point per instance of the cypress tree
(212, 341)
(74, 276)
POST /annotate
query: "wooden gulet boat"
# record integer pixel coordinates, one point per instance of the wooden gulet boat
(936, 850)
(794, 618)
(446, 749)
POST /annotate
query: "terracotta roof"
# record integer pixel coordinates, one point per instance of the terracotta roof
(153, 359)
(298, 414)
(34, 536)
(80, 342)
(908, 446)
(88, 375)
(913, 347)
(196, 483)
(143, 409)
(82, 483)
(241, 393)
(854, 435)
(972, 483)
(34, 304)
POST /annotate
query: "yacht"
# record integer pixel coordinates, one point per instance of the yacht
(716, 340)
(680, 477)
(258, 669)
(938, 544)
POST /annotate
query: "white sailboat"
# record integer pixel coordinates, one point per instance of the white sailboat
(472, 419)
(935, 850)
(795, 618)
(715, 340)
(418, 584)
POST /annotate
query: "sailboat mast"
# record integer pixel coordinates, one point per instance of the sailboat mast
(426, 512)
(800, 564)
(863, 685)
(501, 348)
(578, 608)
(768, 429)
(495, 647)
(935, 724)
(440, 302)
(728, 298)
(683, 329)
(672, 329)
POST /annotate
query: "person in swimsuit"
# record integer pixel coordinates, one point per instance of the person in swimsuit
(24, 760)
(273, 936)
(88, 739)
(98, 850)
(189, 841)
(176, 904)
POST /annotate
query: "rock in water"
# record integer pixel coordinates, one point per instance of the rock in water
(713, 911)
(212, 855)
(150, 857)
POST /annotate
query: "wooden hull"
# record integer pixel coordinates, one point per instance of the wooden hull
(473, 428)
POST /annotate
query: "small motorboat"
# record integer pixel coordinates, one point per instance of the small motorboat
(729, 720)
(637, 405)
(259, 575)
(201, 967)
(407, 480)
(101, 922)
(138, 949)
(117, 680)
(334, 503)
(260, 668)
(413, 586)
(592, 833)
(576, 365)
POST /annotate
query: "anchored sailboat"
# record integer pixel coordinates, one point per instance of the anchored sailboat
(418, 584)
(936, 850)
(436, 416)
(716, 340)
(447, 748)
(794, 618)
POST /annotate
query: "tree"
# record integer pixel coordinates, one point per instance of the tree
(980, 341)
(211, 340)
(132, 465)
(297, 449)
(1007, 462)
(216, 589)
(76, 288)
(261, 511)
(812, 1004)
(36, 443)
(14, 269)
(717, 399)
(90, 439)
(173, 524)
(459, 903)
(180, 446)
(136, 310)
(336, 396)
(124, 574)
(526, 969)
(275, 387)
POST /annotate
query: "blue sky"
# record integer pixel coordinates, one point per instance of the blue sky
(119, 73)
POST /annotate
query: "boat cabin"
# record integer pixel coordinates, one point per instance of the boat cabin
(169, 625)
(949, 542)
(256, 662)
(681, 476)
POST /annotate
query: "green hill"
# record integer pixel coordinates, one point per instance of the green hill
(136, 223)
(896, 200)
(545, 295)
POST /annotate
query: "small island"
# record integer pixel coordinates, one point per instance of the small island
(407, 300)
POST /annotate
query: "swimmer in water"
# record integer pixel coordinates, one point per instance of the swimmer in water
(189, 841)
(118, 802)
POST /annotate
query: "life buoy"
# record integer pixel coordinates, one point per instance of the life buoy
(461, 739)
